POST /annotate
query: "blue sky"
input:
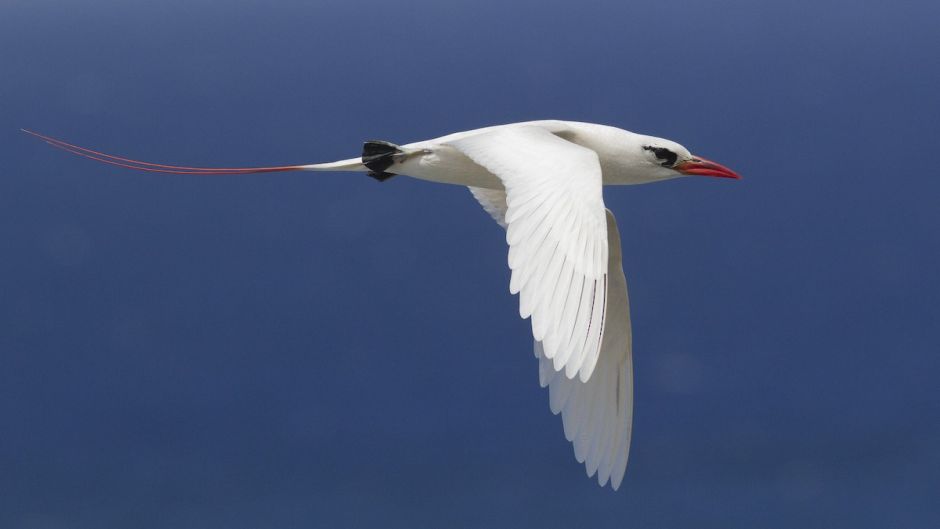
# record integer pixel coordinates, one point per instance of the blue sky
(323, 350)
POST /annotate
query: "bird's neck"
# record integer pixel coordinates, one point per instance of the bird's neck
(619, 151)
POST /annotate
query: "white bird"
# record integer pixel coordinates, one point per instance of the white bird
(541, 181)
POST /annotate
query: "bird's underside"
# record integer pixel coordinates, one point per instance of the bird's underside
(542, 182)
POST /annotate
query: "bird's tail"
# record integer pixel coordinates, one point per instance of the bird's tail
(352, 164)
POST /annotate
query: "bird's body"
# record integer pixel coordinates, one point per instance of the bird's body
(542, 181)
(437, 161)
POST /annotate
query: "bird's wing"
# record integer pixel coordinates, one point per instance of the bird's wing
(557, 237)
(598, 414)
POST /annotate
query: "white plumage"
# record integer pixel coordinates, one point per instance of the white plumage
(541, 181)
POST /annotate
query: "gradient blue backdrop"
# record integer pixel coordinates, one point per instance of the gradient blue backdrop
(298, 350)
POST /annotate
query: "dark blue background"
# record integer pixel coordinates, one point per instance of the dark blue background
(320, 350)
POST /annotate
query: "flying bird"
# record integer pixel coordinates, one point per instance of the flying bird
(541, 181)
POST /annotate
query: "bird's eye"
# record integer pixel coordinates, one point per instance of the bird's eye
(666, 157)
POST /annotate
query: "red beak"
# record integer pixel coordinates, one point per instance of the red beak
(701, 166)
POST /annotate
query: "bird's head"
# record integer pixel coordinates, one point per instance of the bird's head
(661, 159)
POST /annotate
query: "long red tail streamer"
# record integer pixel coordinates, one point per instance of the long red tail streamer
(155, 167)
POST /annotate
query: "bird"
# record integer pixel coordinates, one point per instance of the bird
(542, 182)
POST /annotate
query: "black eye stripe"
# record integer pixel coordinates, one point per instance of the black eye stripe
(668, 157)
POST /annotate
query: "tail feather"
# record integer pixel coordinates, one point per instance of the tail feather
(353, 164)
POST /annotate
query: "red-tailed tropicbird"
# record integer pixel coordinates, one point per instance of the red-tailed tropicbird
(541, 181)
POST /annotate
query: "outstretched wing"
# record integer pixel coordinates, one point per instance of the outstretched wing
(557, 237)
(598, 414)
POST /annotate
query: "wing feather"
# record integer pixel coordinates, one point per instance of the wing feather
(557, 236)
(597, 415)
(596, 410)
(493, 202)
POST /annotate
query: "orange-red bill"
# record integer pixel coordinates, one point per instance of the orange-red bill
(701, 166)
(155, 167)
